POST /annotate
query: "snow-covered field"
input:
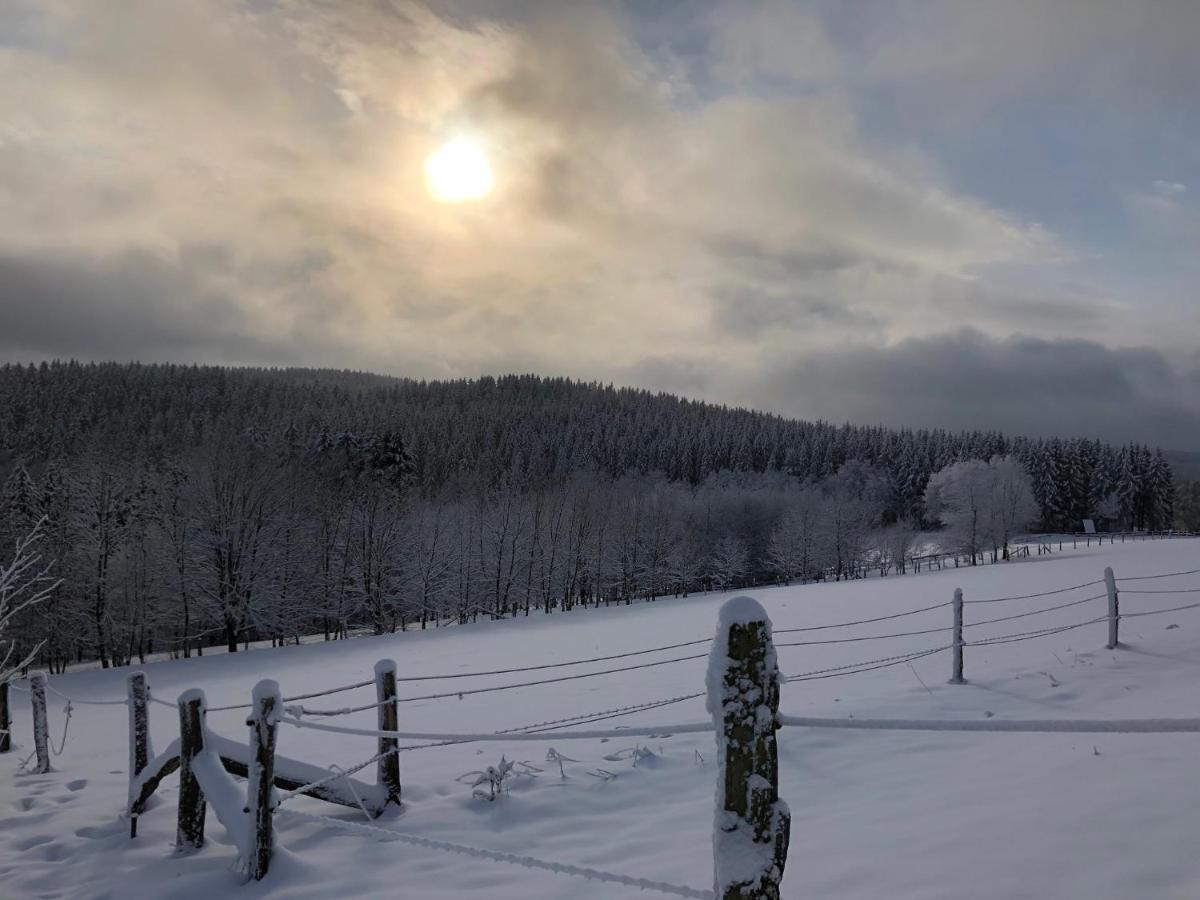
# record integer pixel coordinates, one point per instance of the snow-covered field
(875, 814)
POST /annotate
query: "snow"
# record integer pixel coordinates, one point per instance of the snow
(901, 814)
(226, 798)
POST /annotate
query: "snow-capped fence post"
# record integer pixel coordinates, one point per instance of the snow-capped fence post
(260, 780)
(139, 734)
(752, 824)
(5, 720)
(956, 674)
(189, 830)
(41, 729)
(388, 767)
(1114, 609)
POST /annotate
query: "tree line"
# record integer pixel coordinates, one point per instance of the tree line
(183, 507)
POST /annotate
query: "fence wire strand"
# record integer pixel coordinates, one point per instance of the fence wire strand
(528, 862)
(1074, 587)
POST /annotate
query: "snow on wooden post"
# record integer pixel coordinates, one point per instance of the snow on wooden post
(41, 729)
(260, 781)
(752, 824)
(956, 674)
(189, 830)
(140, 750)
(5, 720)
(388, 767)
(1114, 609)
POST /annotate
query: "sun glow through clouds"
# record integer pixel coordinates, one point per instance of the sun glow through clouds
(458, 171)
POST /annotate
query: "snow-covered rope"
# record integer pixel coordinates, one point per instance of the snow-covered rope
(62, 744)
(864, 666)
(1074, 587)
(328, 691)
(555, 665)
(582, 719)
(570, 721)
(1036, 612)
(1030, 635)
(344, 711)
(334, 776)
(901, 615)
(528, 862)
(1161, 575)
(213, 709)
(1158, 612)
(636, 731)
(606, 714)
(1130, 592)
(68, 697)
(524, 684)
(871, 637)
(1026, 726)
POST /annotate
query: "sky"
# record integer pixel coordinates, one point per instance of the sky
(946, 214)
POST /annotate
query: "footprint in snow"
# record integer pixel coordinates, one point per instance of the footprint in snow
(78, 785)
(30, 842)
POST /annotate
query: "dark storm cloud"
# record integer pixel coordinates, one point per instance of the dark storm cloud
(135, 306)
(1021, 385)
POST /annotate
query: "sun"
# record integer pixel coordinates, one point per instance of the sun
(458, 171)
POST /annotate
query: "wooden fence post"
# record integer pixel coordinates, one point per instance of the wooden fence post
(388, 767)
(189, 830)
(1114, 609)
(139, 735)
(956, 674)
(743, 699)
(261, 776)
(5, 720)
(41, 729)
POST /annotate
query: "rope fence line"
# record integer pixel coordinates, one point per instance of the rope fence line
(1014, 726)
(1036, 612)
(911, 612)
(581, 719)
(1074, 587)
(1159, 612)
(871, 637)
(53, 690)
(865, 666)
(523, 684)
(1160, 575)
(492, 737)
(528, 862)
(1173, 591)
(1030, 635)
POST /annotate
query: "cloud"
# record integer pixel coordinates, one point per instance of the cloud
(1168, 188)
(689, 203)
(1021, 384)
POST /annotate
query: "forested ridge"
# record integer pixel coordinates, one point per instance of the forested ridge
(183, 505)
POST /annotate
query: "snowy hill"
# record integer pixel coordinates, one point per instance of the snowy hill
(875, 814)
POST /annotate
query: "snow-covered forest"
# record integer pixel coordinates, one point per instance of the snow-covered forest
(190, 507)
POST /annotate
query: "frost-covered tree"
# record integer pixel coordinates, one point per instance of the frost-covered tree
(960, 497)
(729, 561)
(25, 582)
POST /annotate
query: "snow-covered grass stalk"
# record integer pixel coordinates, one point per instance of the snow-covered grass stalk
(752, 825)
